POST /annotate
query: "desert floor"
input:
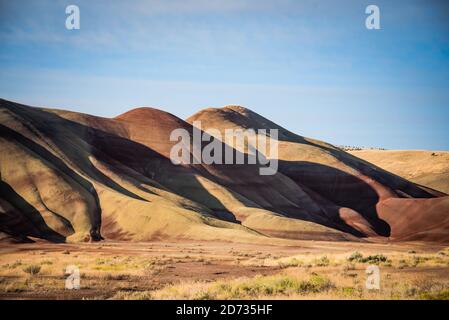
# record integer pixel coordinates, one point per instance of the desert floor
(224, 270)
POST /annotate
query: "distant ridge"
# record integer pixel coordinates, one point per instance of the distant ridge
(427, 168)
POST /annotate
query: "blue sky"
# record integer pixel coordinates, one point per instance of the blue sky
(310, 66)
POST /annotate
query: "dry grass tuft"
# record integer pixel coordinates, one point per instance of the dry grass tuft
(32, 269)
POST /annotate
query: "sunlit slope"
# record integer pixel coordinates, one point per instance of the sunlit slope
(344, 186)
(427, 168)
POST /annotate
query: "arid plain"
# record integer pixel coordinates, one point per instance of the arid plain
(224, 270)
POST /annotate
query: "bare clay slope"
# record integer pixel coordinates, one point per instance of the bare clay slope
(367, 198)
(73, 177)
(70, 176)
(427, 168)
(273, 205)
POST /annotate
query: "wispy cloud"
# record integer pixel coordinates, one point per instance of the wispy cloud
(314, 59)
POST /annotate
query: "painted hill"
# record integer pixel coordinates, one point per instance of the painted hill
(67, 176)
(427, 168)
(346, 188)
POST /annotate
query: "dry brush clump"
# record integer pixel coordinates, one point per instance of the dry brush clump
(299, 275)
(427, 289)
(374, 259)
(322, 261)
(137, 295)
(294, 262)
(258, 287)
(32, 269)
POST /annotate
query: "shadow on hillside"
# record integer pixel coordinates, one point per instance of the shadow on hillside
(338, 187)
(330, 188)
(45, 155)
(26, 221)
(133, 161)
(77, 142)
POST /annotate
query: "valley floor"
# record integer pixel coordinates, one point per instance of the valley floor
(224, 270)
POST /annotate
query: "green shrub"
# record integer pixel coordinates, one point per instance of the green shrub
(376, 259)
(358, 257)
(355, 257)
